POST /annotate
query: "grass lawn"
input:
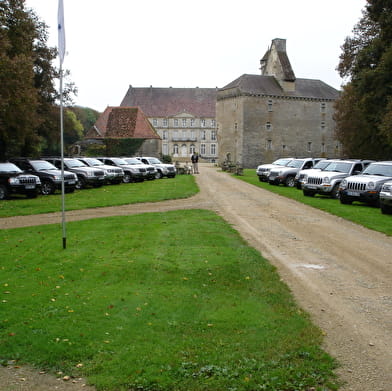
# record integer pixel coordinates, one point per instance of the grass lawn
(158, 301)
(182, 186)
(363, 214)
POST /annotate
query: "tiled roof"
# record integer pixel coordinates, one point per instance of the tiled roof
(122, 122)
(167, 102)
(268, 85)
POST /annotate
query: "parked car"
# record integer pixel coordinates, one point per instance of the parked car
(49, 175)
(327, 182)
(14, 181)
(151, 171)
(163, 169)
(319, 166)
(87, 176)
(263, 170)
(386, 198)
(366, 186)
(286, 175)
(131, 172)
(113, 175)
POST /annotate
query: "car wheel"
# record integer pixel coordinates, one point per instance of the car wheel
(335, 192)
(158, 175)
(3, 192)
(345, 200)
(290, 181)
(308, 193)
(80, 184)
(47, 188)
(386, 209)
(126, 178)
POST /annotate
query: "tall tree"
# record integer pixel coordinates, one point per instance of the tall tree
(364, 110)
(27, 76)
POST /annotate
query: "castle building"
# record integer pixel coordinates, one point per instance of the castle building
(263, 117)
(184, 118)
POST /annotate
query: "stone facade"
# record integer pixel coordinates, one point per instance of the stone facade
(184, 118)
(263, 117)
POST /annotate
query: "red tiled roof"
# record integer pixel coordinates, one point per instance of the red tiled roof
(167, 102)
(122, 122)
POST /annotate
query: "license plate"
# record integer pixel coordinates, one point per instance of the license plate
(71, 182)
(30, 187)
(311, 187)
(353, 193)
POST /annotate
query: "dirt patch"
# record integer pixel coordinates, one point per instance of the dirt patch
(338, 271)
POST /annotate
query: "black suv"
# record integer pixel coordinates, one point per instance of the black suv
(13, 180)
(49, 175)
(87, 176)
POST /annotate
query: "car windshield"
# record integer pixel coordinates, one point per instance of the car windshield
(40, 165)
(282, 162)
(378, 169)
(119, 162)
(9, 167)
(343, 167)
(295, 163)
(154, 160)
(72, 163)
(322, 164)
(93, 162)
(132, 160)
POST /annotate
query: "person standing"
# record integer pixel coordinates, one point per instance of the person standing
(195, 161)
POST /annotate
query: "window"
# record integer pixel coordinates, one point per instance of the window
(165, 135)
(269, 104)
(184, 123)
(193, 136)
(175, 135)
(202, 149)
(184, 134)
(323, 106)
(213, 123)
(323, 150)
(213, 149)
(322, 125)
(192, 122)
(155, 122)
(268, 126)
(309, 146)
(192, 149)
(268, 145)
(165, 122)
(213, 135)
(175, 149)
(203, 123)
(176, 123)
(165, 149)
(203, 134)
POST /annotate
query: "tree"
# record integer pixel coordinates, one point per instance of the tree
(27, 94)
(364, 111)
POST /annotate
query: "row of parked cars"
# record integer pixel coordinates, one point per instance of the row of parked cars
(348, 180)
(34, 176)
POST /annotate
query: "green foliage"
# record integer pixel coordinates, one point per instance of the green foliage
(363, 114)
(166, 159)
(28, 95)
(157, 301)
(86, 116)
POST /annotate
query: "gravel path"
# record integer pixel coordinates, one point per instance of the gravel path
(338, 271)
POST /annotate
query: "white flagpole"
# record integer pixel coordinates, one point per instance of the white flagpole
(61, 37)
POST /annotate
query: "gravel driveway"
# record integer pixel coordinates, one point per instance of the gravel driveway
(339, 272)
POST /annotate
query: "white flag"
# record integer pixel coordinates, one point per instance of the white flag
(61, 31)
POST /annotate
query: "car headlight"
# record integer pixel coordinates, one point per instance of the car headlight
(371, 186)
(387, 188)
(13, 181)
(38, 181)
(57, 177)
(90, 173)
(326, 180)
(343, 184)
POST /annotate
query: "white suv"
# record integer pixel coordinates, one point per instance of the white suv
(163, 169)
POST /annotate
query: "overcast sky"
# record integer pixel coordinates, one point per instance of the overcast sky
(202, 43)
